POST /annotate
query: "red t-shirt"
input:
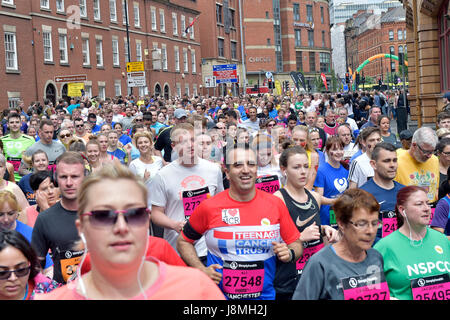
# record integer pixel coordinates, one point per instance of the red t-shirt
(173, 283)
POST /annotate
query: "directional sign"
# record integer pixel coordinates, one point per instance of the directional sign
(135, 66)
(225, 73)
(72, 78)
(210, 82)
(136, 79)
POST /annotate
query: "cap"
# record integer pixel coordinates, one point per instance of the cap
(406, 134)
(180, 113)
(447, 95)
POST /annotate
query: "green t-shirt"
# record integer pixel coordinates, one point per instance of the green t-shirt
(404, 262)
(13, 148)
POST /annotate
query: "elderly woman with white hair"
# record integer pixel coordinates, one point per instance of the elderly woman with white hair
(419, 166)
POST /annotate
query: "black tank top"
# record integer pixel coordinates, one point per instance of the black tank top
(303, 215)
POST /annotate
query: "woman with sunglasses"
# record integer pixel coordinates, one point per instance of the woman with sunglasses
(113, 223)
(65, 136)
(20, 276)
(414, 252)
(331, 272)
(9, 211)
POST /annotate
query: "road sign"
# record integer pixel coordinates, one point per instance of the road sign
(225, 73)
(136, 79)
(135, 66)
(210, 82)
(269, 75)
(72, 78)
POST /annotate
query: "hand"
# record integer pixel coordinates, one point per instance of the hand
(282, 251)
(41, 200)
(310, 233)
(212, 273)
(332, 234)
(178, 225)
(146, 175)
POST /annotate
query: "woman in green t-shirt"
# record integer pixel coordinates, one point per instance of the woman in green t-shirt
(415, 252)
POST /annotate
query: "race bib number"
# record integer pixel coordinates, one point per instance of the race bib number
(269, 184)
(15, 162)
(431, 288)
(243, 279)
(371, 286)
(389, 219)
(309, 249)
(192, 198)
(69, 263)
(51, 167)
(333, 222)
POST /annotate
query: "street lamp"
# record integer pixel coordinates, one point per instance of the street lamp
(130, 89)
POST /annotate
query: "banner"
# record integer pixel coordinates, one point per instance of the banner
(75, 89)
(299, 79)
(324, 79)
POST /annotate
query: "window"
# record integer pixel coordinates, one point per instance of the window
(45, 4)
(322, 16)
(63, 54)
(153, 14)
(11, 2)
(299, 60)
(164, 56)
(47, 43)
(138, 51)
(59, 5)
(137, 19)
(220, 47)
(85, 52)
(309, 13)
(88, 91)
(393, 66)
(115, 52)
(219, 17)
(400, 34)
(10, 51)
(233, 50)
(298, 37)
(323, 38)
(83, 9)
(13, 102)
(391, 35)
(191, 29)
(183, 25)
(312, 62)
(112, 11)
(268, 42)
(391, 50)
(185, 61)
(400, 49)
(125, 15)
(193, 63)
(117, 88)
(324, 62)
(296, 11)
(101, 92)
(311, 38)
(186, 89)
(174, 24)
(231, 17)
(178, 85)
(177, 59)
(96, 5)
(162, 21)
(99, 52)
(125, 46)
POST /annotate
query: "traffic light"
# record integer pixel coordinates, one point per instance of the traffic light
(347, 77)
(270, 83)
(286, 83)
(357, 79)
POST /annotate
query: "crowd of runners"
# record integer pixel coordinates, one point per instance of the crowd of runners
(296, 197)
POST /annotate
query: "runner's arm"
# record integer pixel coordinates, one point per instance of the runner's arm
(160, 218)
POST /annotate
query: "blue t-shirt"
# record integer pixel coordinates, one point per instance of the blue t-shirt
(119, 154)
(24, 184)
(334, 182)
(386, 198)
(124, 139)
(27, 231)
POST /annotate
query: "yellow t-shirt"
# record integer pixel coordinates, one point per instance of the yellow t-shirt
(413, 173)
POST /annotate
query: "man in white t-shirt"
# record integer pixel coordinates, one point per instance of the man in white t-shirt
(178, 188)
(360, 169)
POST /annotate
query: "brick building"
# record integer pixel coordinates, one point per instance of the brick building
(367, 35)
(428, 42)
(283, 36)
(43, 40)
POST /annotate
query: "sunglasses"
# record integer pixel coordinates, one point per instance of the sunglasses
(63, 136)
(139, 120)
(22, 272)
(108, 218)
(79, 125)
